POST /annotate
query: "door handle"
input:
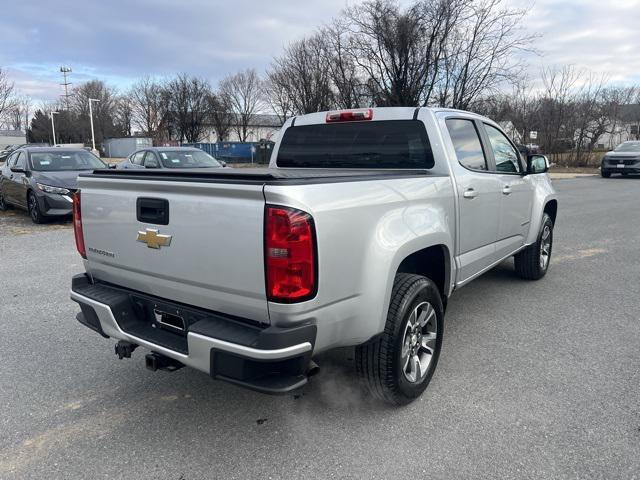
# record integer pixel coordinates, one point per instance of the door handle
(506, 190)
(470, 193)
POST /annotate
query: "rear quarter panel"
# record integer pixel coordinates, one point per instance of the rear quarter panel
(364, 231)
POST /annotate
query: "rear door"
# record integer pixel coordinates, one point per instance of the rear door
(516, 197)
(206, 252)
(478, 198)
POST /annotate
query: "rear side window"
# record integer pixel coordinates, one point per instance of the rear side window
(467, 144)
(400, 144)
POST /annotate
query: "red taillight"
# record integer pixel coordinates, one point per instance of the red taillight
(290, 252)
(77, 225)
(350, 115)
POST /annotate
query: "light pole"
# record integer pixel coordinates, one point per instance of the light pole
(93, 137)
(53, 127)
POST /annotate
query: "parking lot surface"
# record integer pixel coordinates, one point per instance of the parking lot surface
(536, 379)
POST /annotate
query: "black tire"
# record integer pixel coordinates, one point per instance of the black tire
(528, 262)
(34, 209)
(379, 362)
(3, 204)
(605, 173)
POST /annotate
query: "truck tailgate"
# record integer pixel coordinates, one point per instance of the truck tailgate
(214, 259)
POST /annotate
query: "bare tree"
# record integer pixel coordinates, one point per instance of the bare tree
(124, 114)
(480, 53)
(302, 74)
(103, 110)
(148, 105)
(277, 94)
(7, 89)
(18, 114)
(188, 106)
(343, 70)
(387, 44)
(244, 91)
(221, 115)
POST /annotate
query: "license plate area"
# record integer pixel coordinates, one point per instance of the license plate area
(172, 321)
(620, 165)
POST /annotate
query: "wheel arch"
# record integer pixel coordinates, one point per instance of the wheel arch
(551, 208)
(433, 262)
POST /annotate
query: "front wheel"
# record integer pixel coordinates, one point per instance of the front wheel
(532, 262)
(3, 203)
(605, 173)
(398, 364)
(34, 209)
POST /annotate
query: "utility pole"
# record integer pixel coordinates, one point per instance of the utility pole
(93, 137)
(65, 84)
(53, 127)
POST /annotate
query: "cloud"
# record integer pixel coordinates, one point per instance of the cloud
(122, 40)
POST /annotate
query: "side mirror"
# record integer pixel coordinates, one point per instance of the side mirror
(112, 165)
(222, 162)
(537, 164)
(151, 163)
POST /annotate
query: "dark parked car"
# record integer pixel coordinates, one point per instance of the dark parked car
(624, 159)
(43, 180)
(171, 157)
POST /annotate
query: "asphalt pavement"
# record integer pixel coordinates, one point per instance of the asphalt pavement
(536, 379)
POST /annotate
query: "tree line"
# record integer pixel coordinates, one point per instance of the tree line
(461, 54)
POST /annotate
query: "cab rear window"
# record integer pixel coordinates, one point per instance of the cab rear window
(394, 144)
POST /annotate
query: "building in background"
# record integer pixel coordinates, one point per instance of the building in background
(262, 127)
(12, 137)
(123, 147)
(625, 127)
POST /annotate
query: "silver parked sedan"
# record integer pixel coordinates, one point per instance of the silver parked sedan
(170, 157)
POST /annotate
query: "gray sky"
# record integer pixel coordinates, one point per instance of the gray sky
(119, 41)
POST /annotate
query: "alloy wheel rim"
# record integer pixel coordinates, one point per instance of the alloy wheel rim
(545, 247)
(33, 208)
(419, 342)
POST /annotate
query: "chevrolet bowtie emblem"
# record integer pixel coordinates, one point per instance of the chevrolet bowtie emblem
(153, 239)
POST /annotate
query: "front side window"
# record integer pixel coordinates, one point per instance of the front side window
(64, 161)
(137, 157)
(393, 144)
(466, 143)
(505, 154)
(11, 161)
(21, 160)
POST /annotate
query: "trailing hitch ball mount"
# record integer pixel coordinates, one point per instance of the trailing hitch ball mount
(155, 361)
(124, 349)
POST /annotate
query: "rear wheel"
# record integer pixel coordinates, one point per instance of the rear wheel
(532, 262)
(34, 209)
(398, 365)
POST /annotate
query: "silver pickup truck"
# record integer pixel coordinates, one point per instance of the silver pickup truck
(357, 234)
